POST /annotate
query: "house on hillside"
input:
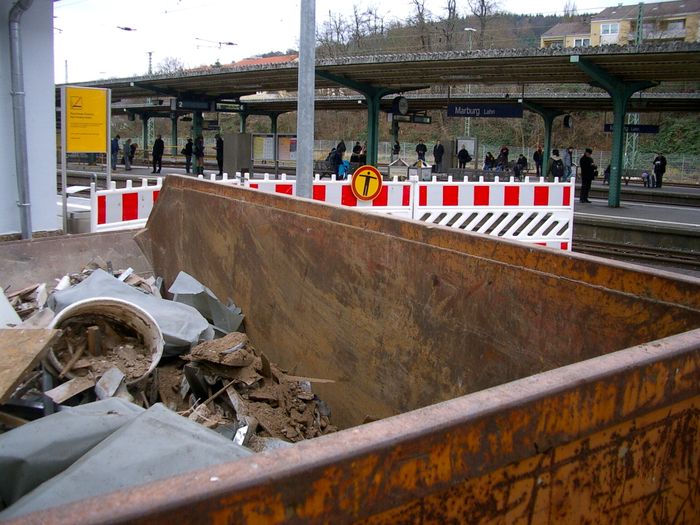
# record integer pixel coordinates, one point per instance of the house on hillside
(660, 22)
(567, 34)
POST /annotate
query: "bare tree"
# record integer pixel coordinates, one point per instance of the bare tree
(570, 9)
(359, 22)
(421, 19)
(483, 10)
(169, 65)
(332, 35)
(448, 24)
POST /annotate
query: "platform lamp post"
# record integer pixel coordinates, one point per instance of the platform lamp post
(468, 122)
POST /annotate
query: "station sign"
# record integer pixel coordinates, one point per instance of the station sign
(195, 105)
(228, 107)
(421, 119)
(366, 183)
(415, 119)
(485, 110)
(635, 128)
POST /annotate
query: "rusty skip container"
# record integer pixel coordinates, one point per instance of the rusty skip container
(512, 384)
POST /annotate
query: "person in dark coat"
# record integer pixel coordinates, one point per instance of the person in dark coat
(199, 155)
(489, 161)
(356, 151)
(158, 148)
(114, 150)
(588, 169)
(463, 157)
(659, 168)
(537, 159)
(502, 159)
(132, 151)
(520, 166)
(337, 160)
(438, 153)
(187, 152)
(421, 150)
(219, 153)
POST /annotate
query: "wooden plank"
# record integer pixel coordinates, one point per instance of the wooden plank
(20, 351)
(70, 388)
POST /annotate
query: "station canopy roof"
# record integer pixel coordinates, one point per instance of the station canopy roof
(660, 63)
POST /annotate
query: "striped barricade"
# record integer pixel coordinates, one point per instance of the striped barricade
(534, 212)
(124, 208)
(394, 197)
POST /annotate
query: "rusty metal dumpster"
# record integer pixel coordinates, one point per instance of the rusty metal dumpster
(511, 384)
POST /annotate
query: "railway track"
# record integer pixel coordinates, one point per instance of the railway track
(647, 255)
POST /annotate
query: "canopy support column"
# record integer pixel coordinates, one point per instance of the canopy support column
(548, 116)
(620, 92)
(173, 133)
(373, 96)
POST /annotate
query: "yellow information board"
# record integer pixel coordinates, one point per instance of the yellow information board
(85, 120)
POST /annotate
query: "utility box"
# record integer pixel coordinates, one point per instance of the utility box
(422, 170)
(237, 153)
(398, 168)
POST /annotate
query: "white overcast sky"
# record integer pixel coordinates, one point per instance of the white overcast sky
(86, 33)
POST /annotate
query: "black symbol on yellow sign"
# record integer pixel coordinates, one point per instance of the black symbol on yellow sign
(76, 102)
(366, 183)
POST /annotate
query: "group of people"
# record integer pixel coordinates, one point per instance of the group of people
(342, 166)
(129, 151)
(196, 149)
(192, 149)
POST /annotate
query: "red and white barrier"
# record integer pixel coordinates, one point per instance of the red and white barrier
(536, 212)
(124, 208)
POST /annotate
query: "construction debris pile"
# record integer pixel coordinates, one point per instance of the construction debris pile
(202, 366)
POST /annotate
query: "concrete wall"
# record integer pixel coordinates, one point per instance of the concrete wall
(37, 48)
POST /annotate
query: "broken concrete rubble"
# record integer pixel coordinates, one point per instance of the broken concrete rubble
(224, 384)
(281, 407)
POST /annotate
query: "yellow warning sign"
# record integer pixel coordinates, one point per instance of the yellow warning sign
(85, 120)
(366, 183)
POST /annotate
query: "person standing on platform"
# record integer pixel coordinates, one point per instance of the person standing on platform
(219, 153)
(421, 150)
(588, 169)
(438, 152)
(396, 150)
(555, 166)
(568, 163)
(199, 155)
(114, 150)
(127, 154)
(356, 151)
(463, 157)
(158, 148)
(132, 151)
(659, 168)
(537, 159)
(187, 152)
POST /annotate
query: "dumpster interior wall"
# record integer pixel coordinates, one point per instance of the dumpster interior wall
(401, 314)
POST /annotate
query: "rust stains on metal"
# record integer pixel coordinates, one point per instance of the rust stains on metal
(441, 464)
